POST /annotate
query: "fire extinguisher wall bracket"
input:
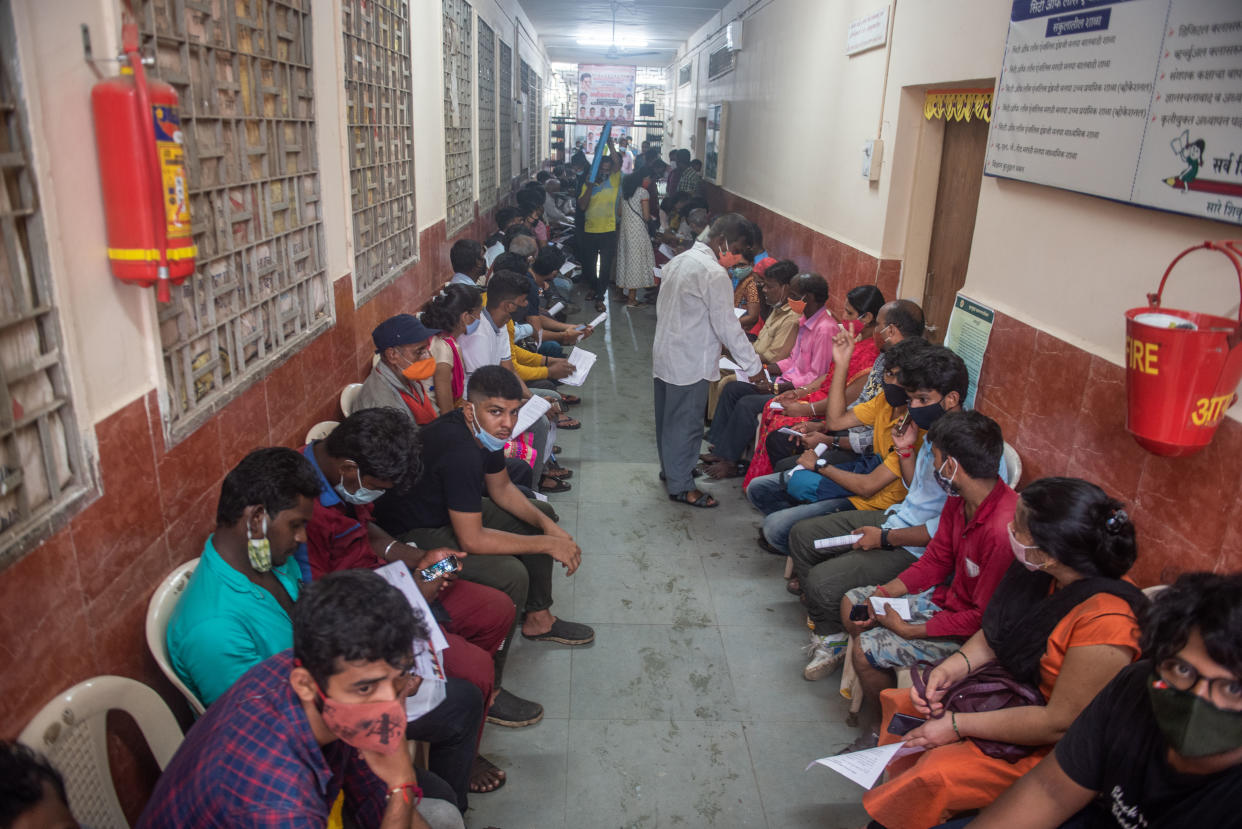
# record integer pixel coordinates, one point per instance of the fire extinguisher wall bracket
(1182, 367)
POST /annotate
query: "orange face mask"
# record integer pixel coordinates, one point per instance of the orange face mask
(420, 369)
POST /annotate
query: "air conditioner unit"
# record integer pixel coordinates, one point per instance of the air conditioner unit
(733, 36)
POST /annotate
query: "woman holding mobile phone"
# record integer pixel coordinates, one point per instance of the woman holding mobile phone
(1062, 621)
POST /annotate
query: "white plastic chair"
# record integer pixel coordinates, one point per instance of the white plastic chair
(349, 396)
(159, 611)
(1013, 465)
(71, 731)
(321, 430)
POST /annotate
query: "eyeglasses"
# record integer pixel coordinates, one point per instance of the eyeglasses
(1225, 692)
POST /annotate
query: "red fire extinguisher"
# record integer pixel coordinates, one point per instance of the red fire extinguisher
(142, 172)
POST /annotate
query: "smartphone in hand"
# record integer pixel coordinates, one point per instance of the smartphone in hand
(903, 724)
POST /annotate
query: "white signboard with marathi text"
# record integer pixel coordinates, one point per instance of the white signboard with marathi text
(1134, 100)
(867, 32)
(606, 93)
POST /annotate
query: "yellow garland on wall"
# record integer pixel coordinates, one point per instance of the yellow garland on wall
(958, 104)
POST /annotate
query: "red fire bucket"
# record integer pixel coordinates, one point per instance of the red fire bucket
(1182, 368)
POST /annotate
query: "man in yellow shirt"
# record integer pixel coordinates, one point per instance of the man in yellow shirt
(598, 202)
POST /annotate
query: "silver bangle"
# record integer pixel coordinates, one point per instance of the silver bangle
(386, 549)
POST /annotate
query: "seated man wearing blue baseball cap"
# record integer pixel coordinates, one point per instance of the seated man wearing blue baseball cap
(402, 377)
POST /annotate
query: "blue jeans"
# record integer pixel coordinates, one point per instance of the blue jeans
(778, 525)
(548, 348)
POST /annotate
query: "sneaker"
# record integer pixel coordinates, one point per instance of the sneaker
(826, 656)
(866, 741)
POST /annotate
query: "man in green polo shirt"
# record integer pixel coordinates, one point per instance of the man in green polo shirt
(236, 610)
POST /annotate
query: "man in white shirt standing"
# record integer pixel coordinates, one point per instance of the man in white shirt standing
(694, 318)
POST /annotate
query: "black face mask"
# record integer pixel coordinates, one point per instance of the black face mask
(896, 395)
(925, 416)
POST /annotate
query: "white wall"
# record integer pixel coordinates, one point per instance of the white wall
(110, 329)
(1067, 263)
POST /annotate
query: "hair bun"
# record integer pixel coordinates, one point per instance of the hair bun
(1117, 521)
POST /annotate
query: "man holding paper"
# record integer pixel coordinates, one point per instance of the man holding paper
(512, 542)
(694, 318)
(951, 583)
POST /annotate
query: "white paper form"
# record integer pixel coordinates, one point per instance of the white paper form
(739, 312)
(427, 663)
(491, 253)
(530, 412)
(786, 430)
(776, 407)
(581, 360)
(659, 273)
(901, 606)
(568, 267)
(555, 309)
(595, 322)
(728, 365)
(863, 767)
(667, 251)
(837, 541)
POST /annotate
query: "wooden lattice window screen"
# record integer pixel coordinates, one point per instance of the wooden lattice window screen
(487, 117)
(505, 136)
(458, 170)
(243, 71)
(41, 469)
(379, 112)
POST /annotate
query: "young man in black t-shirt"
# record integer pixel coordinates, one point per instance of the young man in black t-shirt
(510, 541)
(1161, 745)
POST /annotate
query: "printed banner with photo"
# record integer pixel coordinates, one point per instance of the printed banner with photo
(606, 93)
(1134, 100)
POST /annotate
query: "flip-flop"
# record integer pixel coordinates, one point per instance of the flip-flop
(704, 501)
(568, 423)
(480, 767)
(556, 449)
(557, 471)
(599, 306)
(570, 399)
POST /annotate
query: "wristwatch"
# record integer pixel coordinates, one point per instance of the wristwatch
(884, 540)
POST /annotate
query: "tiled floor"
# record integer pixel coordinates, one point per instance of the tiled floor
(689, 710)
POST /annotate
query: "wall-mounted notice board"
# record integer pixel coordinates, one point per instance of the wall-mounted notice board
(1134, 100)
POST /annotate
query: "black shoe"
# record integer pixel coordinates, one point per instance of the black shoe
(514, 712)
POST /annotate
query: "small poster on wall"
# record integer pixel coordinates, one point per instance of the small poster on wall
(967, 335)
(606, 93)
(1138, 101)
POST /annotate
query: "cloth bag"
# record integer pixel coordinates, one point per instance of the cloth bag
(990, 688)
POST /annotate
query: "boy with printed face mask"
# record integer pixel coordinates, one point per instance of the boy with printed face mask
(1161, 745)
(308, 723)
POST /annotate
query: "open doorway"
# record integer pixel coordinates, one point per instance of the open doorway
(953, 223)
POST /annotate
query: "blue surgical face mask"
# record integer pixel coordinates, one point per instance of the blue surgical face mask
(361, 495)
(490, 442)
(523, 330)
(472, 327)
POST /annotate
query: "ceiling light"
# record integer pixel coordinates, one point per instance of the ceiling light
(621, 42)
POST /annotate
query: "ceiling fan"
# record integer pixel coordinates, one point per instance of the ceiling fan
(615, 52)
